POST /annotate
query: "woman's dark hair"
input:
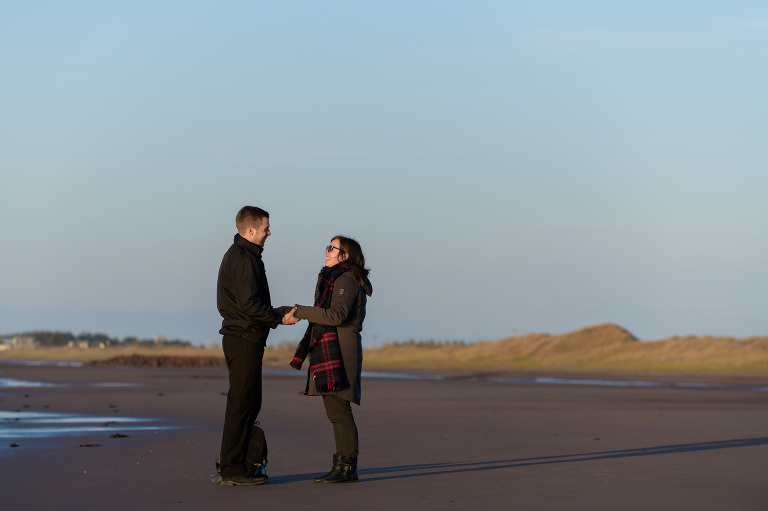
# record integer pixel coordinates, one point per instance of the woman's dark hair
(355, 258)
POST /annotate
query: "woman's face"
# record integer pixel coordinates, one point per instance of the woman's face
(334, 256)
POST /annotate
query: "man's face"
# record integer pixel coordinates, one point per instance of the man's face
(258, 235)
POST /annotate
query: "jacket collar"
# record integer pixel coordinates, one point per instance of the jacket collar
(256, 249)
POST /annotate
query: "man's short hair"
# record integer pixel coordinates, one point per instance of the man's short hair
(249, 216)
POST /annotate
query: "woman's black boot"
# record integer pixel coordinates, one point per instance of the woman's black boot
(334, 470)
(347, 472)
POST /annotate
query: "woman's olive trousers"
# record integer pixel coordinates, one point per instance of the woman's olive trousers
(339, 412)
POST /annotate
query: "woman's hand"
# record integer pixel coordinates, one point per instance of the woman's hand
(289, 318)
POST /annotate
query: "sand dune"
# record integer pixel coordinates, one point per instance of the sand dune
(601, 347)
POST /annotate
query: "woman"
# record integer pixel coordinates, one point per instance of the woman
(335, 349)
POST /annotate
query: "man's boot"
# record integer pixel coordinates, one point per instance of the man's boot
(334, 470)
(347, 472)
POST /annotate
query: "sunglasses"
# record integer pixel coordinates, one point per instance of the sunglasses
(330, 248)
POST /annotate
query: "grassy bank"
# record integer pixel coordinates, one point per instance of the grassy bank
(598, 349)
(96, 354)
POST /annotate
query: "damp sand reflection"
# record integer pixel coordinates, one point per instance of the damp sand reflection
(26, 425)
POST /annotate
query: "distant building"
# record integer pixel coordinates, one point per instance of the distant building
(23, 342)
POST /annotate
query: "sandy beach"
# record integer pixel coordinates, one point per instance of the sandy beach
(457, 443)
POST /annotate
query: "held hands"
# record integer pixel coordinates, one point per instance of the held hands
(286, 314)
(289, 318)
(280, 311)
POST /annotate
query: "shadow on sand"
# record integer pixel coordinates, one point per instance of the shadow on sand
(434, 469)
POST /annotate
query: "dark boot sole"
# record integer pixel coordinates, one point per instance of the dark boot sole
(322, 479)
(338, 482)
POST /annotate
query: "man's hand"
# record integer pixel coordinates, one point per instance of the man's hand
(280, 311)
(289, 318)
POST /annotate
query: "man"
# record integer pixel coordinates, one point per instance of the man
(242, 297)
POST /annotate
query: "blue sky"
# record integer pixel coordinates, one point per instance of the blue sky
(508, 167)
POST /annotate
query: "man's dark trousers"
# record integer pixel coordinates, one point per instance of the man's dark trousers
(244, 358)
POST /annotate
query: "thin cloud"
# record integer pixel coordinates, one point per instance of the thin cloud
(616, 42)
(760, 25)
(736, 40)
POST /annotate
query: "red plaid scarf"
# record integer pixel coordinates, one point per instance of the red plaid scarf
(321, 342)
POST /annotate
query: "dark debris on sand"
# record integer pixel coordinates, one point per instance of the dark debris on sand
(161, 361)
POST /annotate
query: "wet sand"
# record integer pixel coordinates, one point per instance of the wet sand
(425, 444)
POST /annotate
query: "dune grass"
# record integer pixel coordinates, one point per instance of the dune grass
(96, 354)
(597, 348)
(601, 348)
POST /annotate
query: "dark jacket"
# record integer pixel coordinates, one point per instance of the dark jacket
(346, 313)
(242, 293)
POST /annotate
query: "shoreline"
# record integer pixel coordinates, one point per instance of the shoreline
(417, 371)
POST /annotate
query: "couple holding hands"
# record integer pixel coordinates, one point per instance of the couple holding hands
(332, 343)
